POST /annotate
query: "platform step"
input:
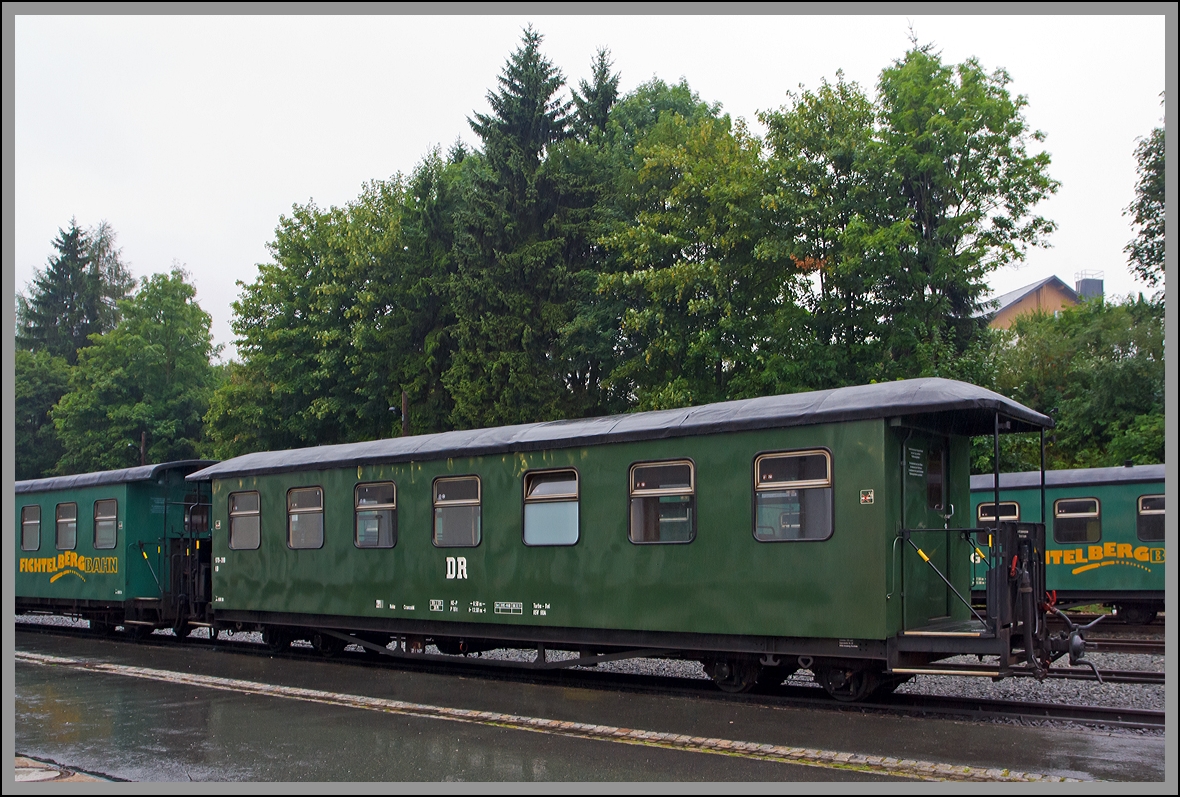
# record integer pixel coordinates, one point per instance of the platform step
(950, 670)
(951, 628)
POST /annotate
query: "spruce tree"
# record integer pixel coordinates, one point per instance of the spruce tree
(596, 98)
(53, 317)
(75, 296)
(511, 292)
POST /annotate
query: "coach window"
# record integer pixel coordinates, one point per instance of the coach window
(1077, 520)
(551, 507)
(105, 522)
(376, 515)
(67, 527)
(934, 480)
(663, 502)
(456, 512)
(30, 528)
(793, 496)
(986, 513)
(1149, 524)
(305, 517)
(244, 521)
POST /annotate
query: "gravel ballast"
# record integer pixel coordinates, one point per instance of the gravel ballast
(1060, 691)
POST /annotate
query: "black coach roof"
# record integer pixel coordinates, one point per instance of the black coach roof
(1076, 477)
(141, 474)
(960, 408)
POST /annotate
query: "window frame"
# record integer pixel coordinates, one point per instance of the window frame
(559, 499)
(356, 512)
(113, 518)
(453, 502)
(804, 484)
(24, 522)
(319, 511)
(632, 495)
(57, 525)
(1140, 512)
(1003, 518)
(1096, 514)
(943, 454)
(229, 506)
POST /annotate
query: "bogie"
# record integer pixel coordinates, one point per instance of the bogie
(733, 674)
(848, 684)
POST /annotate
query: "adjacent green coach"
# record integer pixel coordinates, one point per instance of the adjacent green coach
(759, 536)
(1105, 532)
(120, 547)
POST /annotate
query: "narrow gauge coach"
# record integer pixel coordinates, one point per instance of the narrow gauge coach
(122, 547)
(816, 530)
(1104, 533)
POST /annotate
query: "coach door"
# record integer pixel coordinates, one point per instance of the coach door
(924, 476)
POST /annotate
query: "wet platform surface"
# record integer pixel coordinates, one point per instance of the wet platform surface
(287, 720)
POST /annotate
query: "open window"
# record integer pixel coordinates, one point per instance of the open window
(1149, 520)
(663, 502)
(551, 507)
(1077, 520)
(376, 515)
(457, 512)
(793, 496)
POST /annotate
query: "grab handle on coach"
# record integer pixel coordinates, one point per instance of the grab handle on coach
(945, 580)
(151, 569)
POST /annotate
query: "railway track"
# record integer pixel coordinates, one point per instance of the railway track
(789, 694)
(1152, 647)
(1110, 621)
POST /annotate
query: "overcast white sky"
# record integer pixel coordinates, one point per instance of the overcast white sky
(192, 135)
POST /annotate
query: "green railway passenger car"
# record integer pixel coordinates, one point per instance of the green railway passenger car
(759, 536)
(124, 547)
(1104, 533)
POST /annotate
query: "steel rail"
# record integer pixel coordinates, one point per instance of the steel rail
(790, 694)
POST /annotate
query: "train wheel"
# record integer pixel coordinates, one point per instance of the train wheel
(1136, 613)
(137, 631)
(276, 639)
(102, 628)
(327, 645)
(733, 675)
(846, 684)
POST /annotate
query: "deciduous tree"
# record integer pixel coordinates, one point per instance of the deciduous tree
(1146, 251)
(41, 380)
(151, 373)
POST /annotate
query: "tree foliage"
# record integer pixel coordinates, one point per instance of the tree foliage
(1098, 370)
(598, 253)
(151, 373)
(76, 295)
(517, 250)
(1146, 251)
(41, 380)
(698, 300)
(954, 143)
